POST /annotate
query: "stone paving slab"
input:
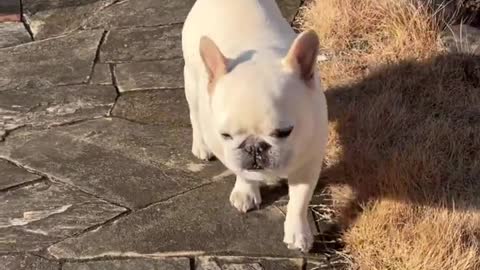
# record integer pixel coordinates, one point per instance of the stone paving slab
(26, 262)
(197, 222)
(131, 264)
(157, 146)
(47, 18)
(247, 263)
(140, 44)
(54, 105)
(12, 175)
(129, 13)
(96, 157)
(163, 74)
(102, 75)
(58, 61)
(38, 215)
(12, 34)
(160, 107)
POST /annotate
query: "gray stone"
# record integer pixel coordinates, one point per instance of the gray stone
(58, 61)
(145, 13)
(12, 34)
(158, 146)
(47, 18)
(165, 107)
(196, 222)
(164, 74)
(138, 44)
(13, 175)
(26, 262)
(462, 39)
(53, 105)
(131, 264)
(101, 75)
(109, 158)
(247, 263)
(289, 8)
(36, 216)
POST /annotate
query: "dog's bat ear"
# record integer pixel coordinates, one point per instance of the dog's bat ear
(302, 55)
(213, 59)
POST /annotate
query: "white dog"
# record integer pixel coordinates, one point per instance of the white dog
(256, 102)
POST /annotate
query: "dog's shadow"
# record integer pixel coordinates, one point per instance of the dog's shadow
(406, 132)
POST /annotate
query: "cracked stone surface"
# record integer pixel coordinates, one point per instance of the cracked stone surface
(246, 263)
(131, 264)
(96, 169)
(36, 216)
(196, 222)
(59, 61)
(13, 175)
(105, 158)
(152, 43)
(26, 262)
(102, 75)
(129, 13)
(13, 33)
(53, 105)
(167, 107)
(162, 74)
(47, 17)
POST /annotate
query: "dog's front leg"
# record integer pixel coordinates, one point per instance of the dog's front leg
(301, 185)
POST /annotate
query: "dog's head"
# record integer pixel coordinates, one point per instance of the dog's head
(262, 108)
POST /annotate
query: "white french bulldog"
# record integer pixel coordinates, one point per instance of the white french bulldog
(256, 102)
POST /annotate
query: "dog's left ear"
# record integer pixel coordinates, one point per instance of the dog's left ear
(302, 55)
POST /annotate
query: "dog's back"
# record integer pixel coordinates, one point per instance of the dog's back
(235, 26)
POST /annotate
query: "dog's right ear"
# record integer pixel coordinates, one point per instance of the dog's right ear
(213, 59)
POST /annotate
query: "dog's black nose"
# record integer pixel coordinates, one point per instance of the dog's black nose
(262, 146)
(255, 147)
(257, 156)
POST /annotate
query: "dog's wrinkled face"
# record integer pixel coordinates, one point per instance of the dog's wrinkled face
(257, 112)
(262, 109)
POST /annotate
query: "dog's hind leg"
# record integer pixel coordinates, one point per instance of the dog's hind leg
(199, 148)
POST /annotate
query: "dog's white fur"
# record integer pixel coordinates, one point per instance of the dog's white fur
(247, 74)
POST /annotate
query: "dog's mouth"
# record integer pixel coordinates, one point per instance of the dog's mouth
(255, 168)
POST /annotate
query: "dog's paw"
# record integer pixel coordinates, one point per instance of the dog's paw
(245, 198)
(298, 235)
(201, 151)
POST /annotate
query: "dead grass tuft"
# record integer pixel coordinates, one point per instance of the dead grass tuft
(404, 125)
(363, 34)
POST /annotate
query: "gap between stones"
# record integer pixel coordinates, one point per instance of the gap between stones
(115, 85)
(58, 181)
(26, 184)
(97, 55)
(25, 21)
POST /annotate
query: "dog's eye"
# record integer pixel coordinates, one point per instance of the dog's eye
(226, 136)
(282, 133)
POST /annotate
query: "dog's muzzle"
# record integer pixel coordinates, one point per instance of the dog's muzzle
(255, 154)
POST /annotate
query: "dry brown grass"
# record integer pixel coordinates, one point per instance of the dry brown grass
(404, 126)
